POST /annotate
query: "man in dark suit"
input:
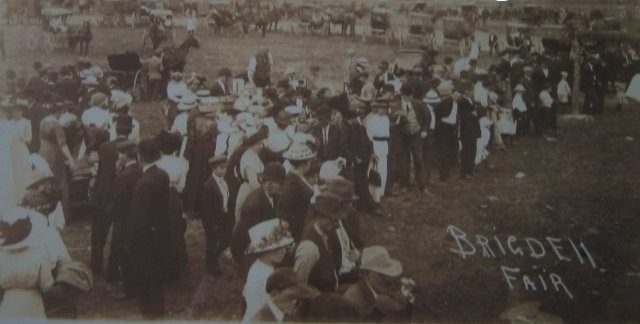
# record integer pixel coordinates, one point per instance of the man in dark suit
(260, 205)
(358, 151)
(119, 208)
(215, 213)
(297, 192)
(413, 128)
(446, 129)
(104, 192)
(469, 129)
(148, 231)
(329, 139)
(222, 87)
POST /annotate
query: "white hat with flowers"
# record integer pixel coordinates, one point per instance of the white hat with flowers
(269, 235)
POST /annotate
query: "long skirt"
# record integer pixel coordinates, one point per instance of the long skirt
(245, 189)
(177, 254)
(199, 170)
(22, 303)
(381, 167)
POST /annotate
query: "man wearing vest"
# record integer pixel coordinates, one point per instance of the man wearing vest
(316, 263)
(259, 69)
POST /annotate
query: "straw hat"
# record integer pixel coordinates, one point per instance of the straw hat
(330, 170)
(432, 98)
(218, 159)
(20, 228)
(187, 102)
(42, 196)
(445, 88)
(268, 236)
(519, 87)
(377, 259)
(299, 152)
(99, 99)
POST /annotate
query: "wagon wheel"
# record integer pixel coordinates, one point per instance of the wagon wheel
(145, 35)
(139, 86)
(48, 43)
(33, 38)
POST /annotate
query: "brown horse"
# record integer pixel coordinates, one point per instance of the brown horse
(80, 36)
(175, 58)
(346, 19)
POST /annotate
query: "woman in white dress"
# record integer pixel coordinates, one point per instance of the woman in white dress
(25, 264)
(250, 168)
(377, 125)
(268, 242)
(6, 165)
(21, 138)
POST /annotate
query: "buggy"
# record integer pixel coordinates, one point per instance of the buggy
(311, 18)
(53, 28)
(128, 69)
(380, 24)
(421, 29)
(117, 13)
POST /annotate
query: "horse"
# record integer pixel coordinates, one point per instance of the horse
(220, 19)
(80, 36)
(274, 16)
(175, 58)
(347, 20)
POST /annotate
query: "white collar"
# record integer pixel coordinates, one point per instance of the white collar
(146, 167)
(130, 163)
(277, 313)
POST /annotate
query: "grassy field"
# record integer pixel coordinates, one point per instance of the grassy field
(584, 187)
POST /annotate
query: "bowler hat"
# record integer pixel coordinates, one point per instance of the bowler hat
(274, 171)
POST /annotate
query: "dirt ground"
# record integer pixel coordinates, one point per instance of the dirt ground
(584, 186)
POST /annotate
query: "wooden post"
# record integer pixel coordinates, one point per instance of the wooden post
(575, 89)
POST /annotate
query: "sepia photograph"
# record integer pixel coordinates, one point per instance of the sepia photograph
(405, 161)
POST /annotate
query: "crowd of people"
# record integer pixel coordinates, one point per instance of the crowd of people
(281, 173)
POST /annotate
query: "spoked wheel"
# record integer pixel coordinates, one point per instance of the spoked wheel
(145, 36)
(139, 86)
(33, 37)
(48, 44)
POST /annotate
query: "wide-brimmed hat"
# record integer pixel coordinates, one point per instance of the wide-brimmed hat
(99, 99)
(286, 280)
(293, 110)
(519, 87)
(217, 159)
(274, 171)
(362, 61)
(42, 195)
(432, 98)
(187, 102)
(445, 88)
(121, 100)
(268, 236)
(330, 170)
(299, 152)
(377, 259)
(332, 201)
(20, 228)
(90, 80)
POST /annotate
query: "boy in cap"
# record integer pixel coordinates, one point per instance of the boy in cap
(563, 90)
(223, 83)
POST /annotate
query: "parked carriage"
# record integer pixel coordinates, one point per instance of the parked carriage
(310, 18)
(516, 33)
(421, 30)
(128, 69)
(116, 13)
(53, 30)
(380, 24)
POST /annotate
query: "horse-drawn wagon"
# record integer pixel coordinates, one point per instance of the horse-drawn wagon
(128, 70)
(310, 18)
(380, 24)
(54, 30)
(116, 13)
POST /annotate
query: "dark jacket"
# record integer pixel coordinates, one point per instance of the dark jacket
(124, 185)
(106, 175)
(294, 204)
(357, 144)
(323, 276)
(469, 126)
(421, 111)
(148, 225)
(334, 146)
(213, 214)
(256, 209)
